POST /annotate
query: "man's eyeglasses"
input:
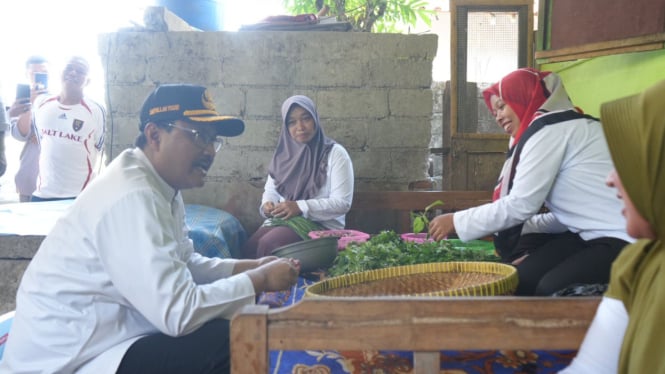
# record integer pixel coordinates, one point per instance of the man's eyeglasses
(202, 140)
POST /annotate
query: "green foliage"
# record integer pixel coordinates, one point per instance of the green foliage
(301, 225)
(387, 249)
(381, 16)
(420, 220)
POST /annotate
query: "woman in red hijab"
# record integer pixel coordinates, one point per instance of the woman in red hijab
(558, 160)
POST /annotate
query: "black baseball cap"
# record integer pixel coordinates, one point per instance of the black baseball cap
(187, 102)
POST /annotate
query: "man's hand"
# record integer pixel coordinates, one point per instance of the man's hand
(21, 110)
(275, 275)
(19, 107)
(441, 226)
(264, 260)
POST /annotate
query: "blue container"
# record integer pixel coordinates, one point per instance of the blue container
(202, 14)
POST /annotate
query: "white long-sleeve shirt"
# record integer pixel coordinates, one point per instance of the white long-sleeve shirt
(334, 198)
(565, 166)
(117, 266)
(601, 347)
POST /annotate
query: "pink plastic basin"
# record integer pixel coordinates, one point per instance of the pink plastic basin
(345, 236)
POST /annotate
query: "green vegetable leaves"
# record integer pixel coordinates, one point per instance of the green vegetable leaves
(420, 220)
(419, 224)
(387, 249)
(301, 225)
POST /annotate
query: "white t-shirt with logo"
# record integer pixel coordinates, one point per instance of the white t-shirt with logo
(71, 137)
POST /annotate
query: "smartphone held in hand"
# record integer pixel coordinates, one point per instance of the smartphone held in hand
(41, 81)
(22, 92)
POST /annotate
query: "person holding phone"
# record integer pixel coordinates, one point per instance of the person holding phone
(70, 130)
(25, 179)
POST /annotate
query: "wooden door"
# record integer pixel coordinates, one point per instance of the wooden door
(488, 41)
(475, 162)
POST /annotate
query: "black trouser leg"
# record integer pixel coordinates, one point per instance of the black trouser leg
(206, 350)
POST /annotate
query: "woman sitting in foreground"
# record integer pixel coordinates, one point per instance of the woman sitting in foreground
(628, 330)
(558, 158)
(310, 175)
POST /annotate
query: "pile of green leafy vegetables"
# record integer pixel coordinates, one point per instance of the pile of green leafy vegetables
(387, 249)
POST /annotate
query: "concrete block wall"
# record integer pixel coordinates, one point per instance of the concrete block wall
(373, 93)
(15, 255)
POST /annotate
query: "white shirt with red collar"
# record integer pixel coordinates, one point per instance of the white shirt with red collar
(71, 137)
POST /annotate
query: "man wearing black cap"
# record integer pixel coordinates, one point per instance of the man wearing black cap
(116, 286)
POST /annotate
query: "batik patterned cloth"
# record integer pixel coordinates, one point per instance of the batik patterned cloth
(215, 233)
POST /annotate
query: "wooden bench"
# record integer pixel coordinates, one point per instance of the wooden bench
(373, 211)
(424, 326)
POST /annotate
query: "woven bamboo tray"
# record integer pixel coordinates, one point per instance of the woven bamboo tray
(434, 279)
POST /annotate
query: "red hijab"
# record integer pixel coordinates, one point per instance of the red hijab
(529, 93)
(524, 91)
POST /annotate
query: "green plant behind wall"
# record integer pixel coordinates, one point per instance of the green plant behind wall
(381, 16)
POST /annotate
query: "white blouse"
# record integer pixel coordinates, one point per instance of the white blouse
(332, 201)
(564, 166)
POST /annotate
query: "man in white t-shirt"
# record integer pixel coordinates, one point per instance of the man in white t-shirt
(70, 129)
